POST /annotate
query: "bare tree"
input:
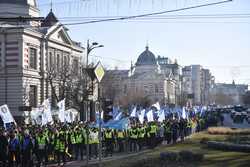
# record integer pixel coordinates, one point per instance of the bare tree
(135, 97)
(60, 80)
(223, 99)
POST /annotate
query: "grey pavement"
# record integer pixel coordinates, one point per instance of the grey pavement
(229, 122)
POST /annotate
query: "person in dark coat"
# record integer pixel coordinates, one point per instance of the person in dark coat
(14, 150)
(26, 150)
(3, 148)
(174, 129)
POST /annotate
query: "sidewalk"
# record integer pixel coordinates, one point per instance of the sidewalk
(116, 156)
(96, 161)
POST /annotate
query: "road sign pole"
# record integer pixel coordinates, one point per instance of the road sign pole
(100, 129)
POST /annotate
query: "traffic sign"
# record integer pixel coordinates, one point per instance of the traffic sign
(99, 71)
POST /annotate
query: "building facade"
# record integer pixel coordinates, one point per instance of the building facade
(150, 77)
(197, 83)
(27, 53)
(228, 94)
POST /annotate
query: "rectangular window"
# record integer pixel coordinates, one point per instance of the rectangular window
(156, 88)
(49, 61)
(58, 62)
(33, 58)
(75, 66)
(125, 89)
(33, 96)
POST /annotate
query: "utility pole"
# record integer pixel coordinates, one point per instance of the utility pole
(91, 47)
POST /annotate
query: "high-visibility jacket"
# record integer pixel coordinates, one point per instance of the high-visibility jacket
(120, 135)
(108, 134)
(57, 144)
(142, 132)
(153, 129)
(93, 137)
(72, 138)
(133, 133)
(41, 140)
(167, 128)
(79, 138)
(62, 146)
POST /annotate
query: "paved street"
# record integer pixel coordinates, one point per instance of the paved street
(95, 161)
(229, 122)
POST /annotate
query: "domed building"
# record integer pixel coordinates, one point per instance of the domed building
(146, 79)
(146, 62)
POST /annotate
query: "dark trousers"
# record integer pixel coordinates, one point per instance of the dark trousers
(79, 149)
(42, 156)
(121, 145)
(72, 149)
(141, 143)
(175, 136)
(152, 140)
(14, 158)
(26, 158)
(109, 146)
(133, 145)
(60, 157)
(93, 150)
(3, 158)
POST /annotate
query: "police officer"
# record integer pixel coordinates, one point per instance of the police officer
(41, 146)
(174, 129)
(153, 132)
(93, 141)
(120, 139)
(133, 136)
(168, 131)
(109, 138)
(141, 136)
(60, 147)
(79, 143)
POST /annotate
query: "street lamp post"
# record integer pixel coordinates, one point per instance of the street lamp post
(91, 47)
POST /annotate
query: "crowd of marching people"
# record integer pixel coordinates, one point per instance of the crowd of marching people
(34, 145)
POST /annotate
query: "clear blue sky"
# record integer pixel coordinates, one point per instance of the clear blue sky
(222, 45)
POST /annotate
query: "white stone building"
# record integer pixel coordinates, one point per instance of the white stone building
(27, 52)
(147, 78)
(196, 84)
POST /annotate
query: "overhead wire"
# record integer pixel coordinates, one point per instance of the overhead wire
(148, 14)
(209, 16)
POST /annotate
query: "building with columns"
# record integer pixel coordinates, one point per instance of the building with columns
(27, 53)
(150, 77)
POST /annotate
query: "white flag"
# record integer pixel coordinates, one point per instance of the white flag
(141, 116)
(161, 115)
(5, 114)
(36, 115)
(184, 114)
(61, 114)
(69, 116)
(157, 106)
(46, 116)
(150, 116)
(133, 113)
